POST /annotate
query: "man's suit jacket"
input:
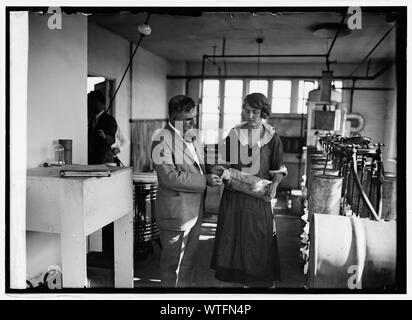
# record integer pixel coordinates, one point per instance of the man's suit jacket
(181, 185)
(99, 149)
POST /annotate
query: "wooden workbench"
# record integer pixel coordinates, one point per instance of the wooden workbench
(77, 207)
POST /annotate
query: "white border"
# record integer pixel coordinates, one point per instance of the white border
(175, 296)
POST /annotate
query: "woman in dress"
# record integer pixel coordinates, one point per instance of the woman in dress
(245, 249)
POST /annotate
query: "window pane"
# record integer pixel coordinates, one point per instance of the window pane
(304, 106)
(282, 88)
(210, 88)
(309, 86)
(301, 89)
(210, 105)
(210, 121)
(304, 88)
(260, 86)
(230, 120)
(281, 105)
(301, 105)
(338, 85)
(92, 81)
(210, 135)
(234, 88)
(233, 105)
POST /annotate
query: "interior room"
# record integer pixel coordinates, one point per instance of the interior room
(335, 90)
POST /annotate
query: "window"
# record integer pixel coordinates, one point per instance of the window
(92, 81)
(337, 85)
(210, 110)
(232, 104)
(281, 96)
(106, 87)
(222, 101)
(304, 88)
(260, 86)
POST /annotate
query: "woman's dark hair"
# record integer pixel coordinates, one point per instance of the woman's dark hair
(180, 103)
(258, 101)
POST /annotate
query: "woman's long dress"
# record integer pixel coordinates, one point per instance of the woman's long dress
(245, 249)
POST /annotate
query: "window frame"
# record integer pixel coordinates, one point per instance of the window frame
(294, 96)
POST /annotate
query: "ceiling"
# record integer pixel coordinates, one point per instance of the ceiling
(188, 36)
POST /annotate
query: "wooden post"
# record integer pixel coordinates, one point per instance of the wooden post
(123, 251)
(73, 236)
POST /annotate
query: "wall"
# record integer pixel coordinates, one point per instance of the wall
(145, 92)
(149, 88)
(374, 106)
(108, 56)
(56, 104)
(57, 86)
(392, 113)
(176, 86)
(19, 46)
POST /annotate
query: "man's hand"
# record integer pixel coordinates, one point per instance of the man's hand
(101, 134)
(226, 174)
(213, 180)
(217, 170)
(272, 192)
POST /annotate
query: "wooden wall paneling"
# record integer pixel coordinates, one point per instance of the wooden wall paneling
(141, 140)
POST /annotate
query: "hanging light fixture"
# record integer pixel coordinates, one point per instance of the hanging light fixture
(259, 42)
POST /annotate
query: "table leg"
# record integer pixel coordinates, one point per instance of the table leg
(123, 251)
(73, 237)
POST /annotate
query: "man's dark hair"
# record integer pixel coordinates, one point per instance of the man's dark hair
(97, 99)
(180, 103)
(258, 101)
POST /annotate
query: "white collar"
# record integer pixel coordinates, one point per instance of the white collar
(190, 146)
(180, 134)
(242, 135)
(175, 130)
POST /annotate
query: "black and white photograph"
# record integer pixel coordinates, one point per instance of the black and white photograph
(205, 149)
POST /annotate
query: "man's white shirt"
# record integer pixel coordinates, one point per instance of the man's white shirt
(190, 146)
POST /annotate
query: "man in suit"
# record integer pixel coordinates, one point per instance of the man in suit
(101, 130)
(178, 160)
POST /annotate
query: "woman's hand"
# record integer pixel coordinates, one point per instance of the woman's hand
(226, 175)
(272, 192)
(213, 180)
(217, 170)
(277, 177)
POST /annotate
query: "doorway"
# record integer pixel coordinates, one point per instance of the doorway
(101, 241)
(105, 86)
